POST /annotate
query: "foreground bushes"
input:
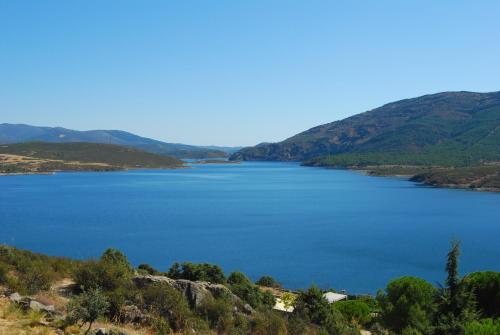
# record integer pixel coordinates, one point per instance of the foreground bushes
(407, 306)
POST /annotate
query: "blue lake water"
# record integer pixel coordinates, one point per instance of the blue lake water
(301, 225)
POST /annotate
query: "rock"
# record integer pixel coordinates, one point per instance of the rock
(15, 297)
(101, 331)
(132, 314)
(39, 307)
(195, 291)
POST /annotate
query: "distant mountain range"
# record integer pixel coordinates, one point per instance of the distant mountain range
(450, 128)
(16, 133)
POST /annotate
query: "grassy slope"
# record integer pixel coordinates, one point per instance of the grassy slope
(84, 156)
(450, 127)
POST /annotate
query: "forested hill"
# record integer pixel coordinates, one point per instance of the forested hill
(15, 133)
(33, 157)
(445, 128)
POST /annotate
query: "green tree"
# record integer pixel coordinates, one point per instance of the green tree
(268, 281)
(243, 287)
(111, 272)
(456, 303)
(483, 327)
(87, 307)
(164, 300)
(313, 307)
(148, 269)
(354, 310)
(197, 272)
(408, 302)
(486, 289)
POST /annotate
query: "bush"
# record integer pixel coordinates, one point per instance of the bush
(218, 313)
(148, 269)
(112, 271)
(4, 272)
(87, 307)
(243, 287)
(197, 272)
(312, 306)
(269, 323)
(165, 301)
(268, 281)
(34, 277)
(354, 310)
(486, 289)
(483, 327)
(408, 302)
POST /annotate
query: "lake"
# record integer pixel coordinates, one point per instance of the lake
(301, 225)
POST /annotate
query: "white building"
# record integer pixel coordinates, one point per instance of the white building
(332, 297)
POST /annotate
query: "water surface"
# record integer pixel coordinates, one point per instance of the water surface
(301, 225)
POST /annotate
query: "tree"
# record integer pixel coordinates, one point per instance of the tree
(268, 281)
(408, 302)
(312, 306)
(456, 304)
(167, 302)
(111, 272)
(197, 272)
(88, 307)
(354, 310)
(243, 287)
(148, 269)
(486, 289)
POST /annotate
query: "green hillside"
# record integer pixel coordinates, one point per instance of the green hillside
(451, 128)
(48, 157)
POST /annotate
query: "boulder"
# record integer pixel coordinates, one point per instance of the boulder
(132, 314)
(15, 297)
(30, 303)
(195, 291)
(39, 307)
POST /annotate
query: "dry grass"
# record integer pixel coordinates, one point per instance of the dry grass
(13, 321)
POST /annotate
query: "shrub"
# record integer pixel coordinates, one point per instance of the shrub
(218, 313)
(197, 272)
(269, 323)
(312, 306)
(167, 302)
(354, 310)
(87, 307)
(112, 271)
(408, 302)
(486, 289)
(34, 277)
(242, 286)
(148, 269)
(268, 281)
(4, 272)
(483, 327)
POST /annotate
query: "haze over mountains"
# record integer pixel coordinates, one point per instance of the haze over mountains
(454, 125)
(16, 133)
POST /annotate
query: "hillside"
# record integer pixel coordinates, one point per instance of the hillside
(15, 133)
(32, 157)
(41, 294)
(451, 128)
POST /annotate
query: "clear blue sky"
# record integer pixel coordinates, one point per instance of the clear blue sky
(235, 72)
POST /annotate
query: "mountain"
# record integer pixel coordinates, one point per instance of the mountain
(15, 133)
(444, 128)
(30, 157)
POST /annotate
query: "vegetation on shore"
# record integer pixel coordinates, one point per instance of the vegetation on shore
(43, 157)
(106, 291)
(453, 136)
(19, 133)
(485, 177)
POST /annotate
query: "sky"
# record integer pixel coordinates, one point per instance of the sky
(235, 73)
